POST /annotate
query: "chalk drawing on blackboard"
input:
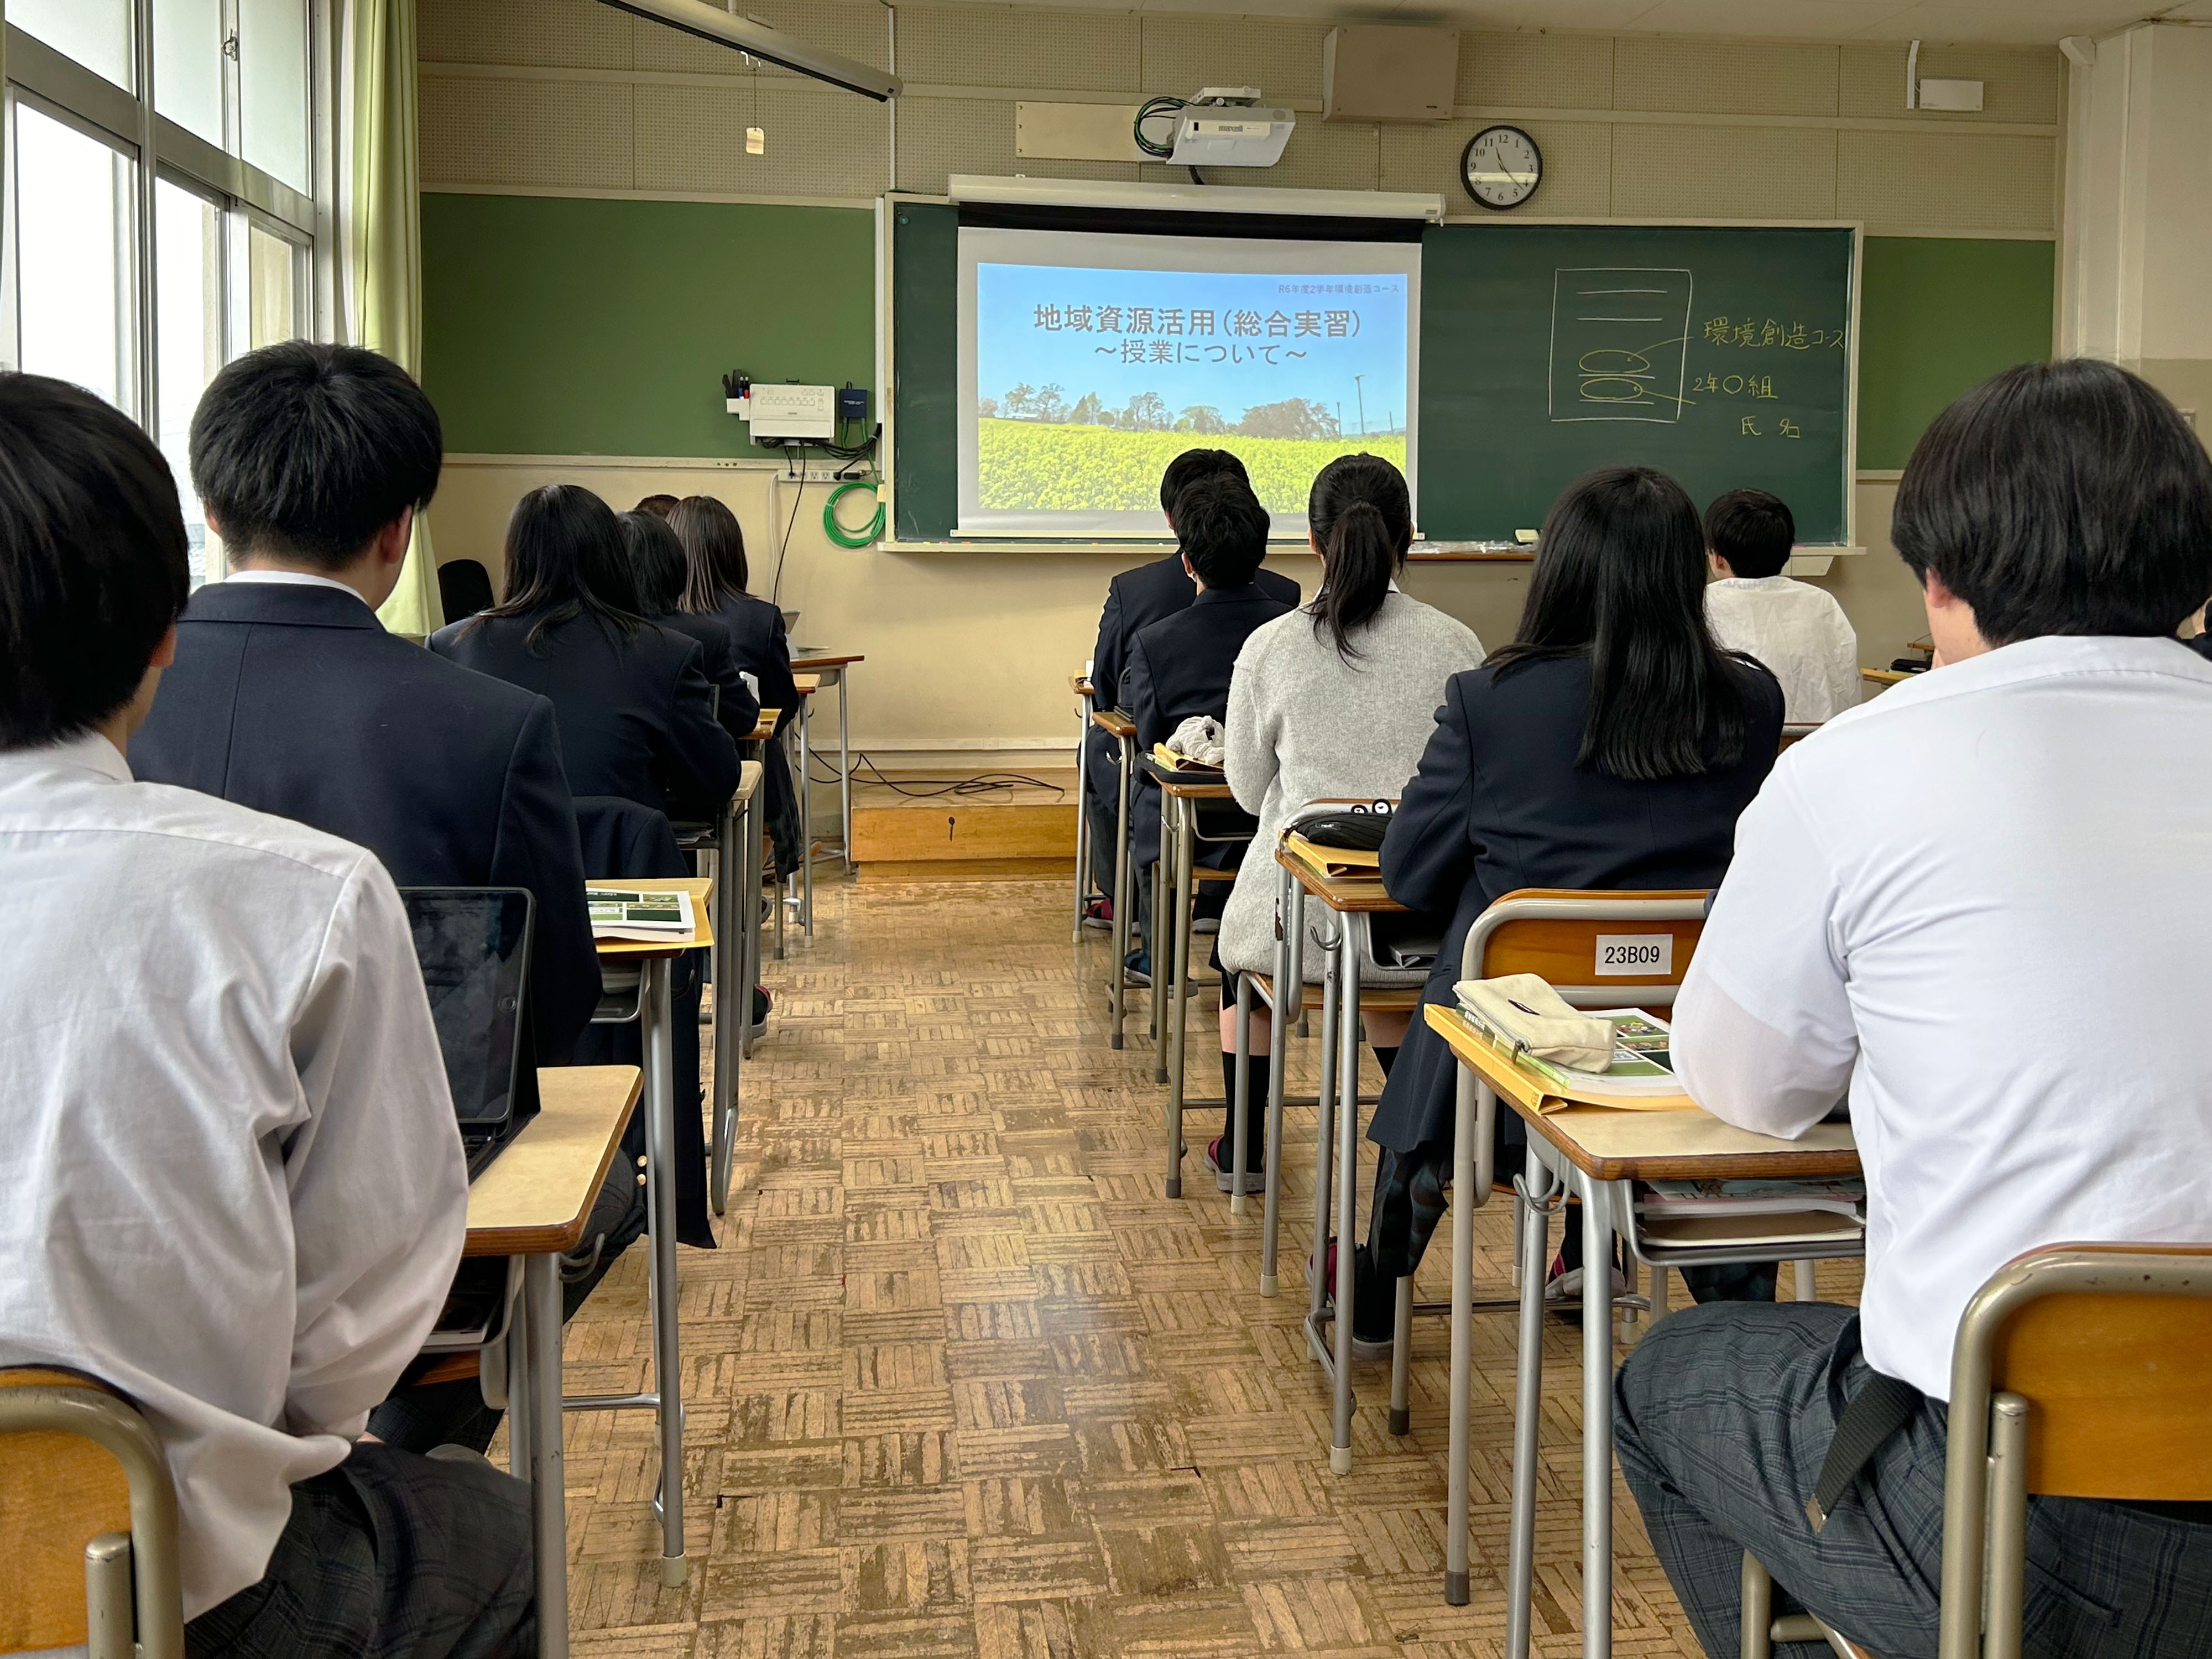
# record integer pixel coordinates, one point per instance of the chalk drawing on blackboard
(1619, 344)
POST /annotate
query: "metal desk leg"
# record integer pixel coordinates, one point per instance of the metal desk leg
(660, 1211)
(1122, 890)
(1597, 1417)
(1318, 1287)
(1289, 982)
(1536, 1187)
(1401, 1350)
(1178, 990)
(733, 997)
(1082, 804)
(806, 816)
(844, 770)
(1347, 1183)
(1240, 1100)
(1161, 867)
(1462, 1340)
(549, 1518)
(754, 863)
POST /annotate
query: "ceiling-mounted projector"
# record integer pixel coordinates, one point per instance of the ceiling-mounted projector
(1228, 127)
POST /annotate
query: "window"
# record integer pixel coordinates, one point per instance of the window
(74, 293)
(225, 237)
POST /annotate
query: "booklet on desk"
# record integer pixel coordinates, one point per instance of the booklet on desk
(627, 913)
(1335, 863)
(1640, 1079)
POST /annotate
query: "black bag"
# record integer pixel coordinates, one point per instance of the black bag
(1355, 828)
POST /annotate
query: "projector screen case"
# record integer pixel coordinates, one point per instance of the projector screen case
(1381, 72)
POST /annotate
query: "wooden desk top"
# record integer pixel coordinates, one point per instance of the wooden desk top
(1080, 684)
(536, 1195)
(1345, 897)
(702, 931)
(808, 685)
(1113, 722)
(1886, 676)
(1608, 1145)
(825, 661)
(1184, 786)
(749, 782)
(766, 729)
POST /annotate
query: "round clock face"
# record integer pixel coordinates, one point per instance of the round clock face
(1502, 166)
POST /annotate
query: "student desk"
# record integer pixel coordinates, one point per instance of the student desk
(1080, 684)
(656, 1022)
(1347, 900)
(1174, 886)
(1591, 1153)
(829, 669)
(1885, 677)
(1123, 730)
(533, 1202)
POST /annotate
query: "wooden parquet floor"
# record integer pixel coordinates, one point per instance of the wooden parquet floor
(962, 1383)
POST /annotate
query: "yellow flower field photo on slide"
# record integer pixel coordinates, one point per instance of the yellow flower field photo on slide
(1027, 466)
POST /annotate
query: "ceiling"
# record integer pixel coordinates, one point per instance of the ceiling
(1992, 22)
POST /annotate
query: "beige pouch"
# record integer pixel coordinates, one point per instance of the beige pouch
(1528, 1013)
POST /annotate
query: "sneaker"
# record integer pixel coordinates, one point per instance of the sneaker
(1565, 1282)
(1099, 913)
(1205, 925)
(1138, 970)
(1252, 1180)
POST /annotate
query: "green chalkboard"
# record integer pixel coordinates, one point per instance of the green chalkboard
(925, 370)
(1722, 355)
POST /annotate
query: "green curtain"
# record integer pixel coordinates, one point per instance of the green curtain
(382, 237)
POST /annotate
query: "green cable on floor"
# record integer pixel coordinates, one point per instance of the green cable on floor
(837, 532)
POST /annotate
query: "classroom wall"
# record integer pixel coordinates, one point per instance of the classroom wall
(598, 247)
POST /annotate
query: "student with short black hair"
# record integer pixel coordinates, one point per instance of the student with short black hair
(1976, 906)
(289, 696)
(1135, 599)
(236, 1189)
(631, 698)
(1797, 631)
(1610, 744)
(1334, 701)
(1179, 665)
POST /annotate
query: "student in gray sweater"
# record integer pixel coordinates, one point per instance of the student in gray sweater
(1334, 701)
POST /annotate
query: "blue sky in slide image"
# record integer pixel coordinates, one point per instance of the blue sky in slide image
(1222, 341)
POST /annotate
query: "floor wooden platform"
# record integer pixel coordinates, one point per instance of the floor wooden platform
(962, 1382)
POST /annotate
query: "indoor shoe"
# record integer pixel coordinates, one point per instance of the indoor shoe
(1565, 1284)
(1252, 1180)
(1375, 1311)
(762, 1003)
(1138, 970)
(1099, 913)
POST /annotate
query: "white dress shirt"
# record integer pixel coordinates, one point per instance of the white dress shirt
(1798, 631)
(1980, 902)
(292, 579)
(234, 1182)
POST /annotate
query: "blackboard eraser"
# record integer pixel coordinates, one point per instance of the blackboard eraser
(1526, 538)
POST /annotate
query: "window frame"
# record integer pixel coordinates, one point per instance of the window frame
(125, 119)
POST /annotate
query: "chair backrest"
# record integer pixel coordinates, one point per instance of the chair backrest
(1597, 948)
(78, 1463)
(2107, 1345)
(463, 588)
(1796, 731)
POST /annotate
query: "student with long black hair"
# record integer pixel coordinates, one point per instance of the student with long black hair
(657, 565)
(631, 698)
(1610, 744)
(1334, 701)
(716, 576)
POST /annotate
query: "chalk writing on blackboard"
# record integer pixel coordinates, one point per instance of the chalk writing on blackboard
(1619, 344)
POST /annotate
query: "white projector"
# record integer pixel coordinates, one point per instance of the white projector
(1227, 127)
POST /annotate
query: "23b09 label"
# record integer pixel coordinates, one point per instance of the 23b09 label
(1634, 956)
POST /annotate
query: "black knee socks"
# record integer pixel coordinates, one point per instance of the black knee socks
(1255, 1110)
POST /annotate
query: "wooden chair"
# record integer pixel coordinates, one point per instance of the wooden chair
(88, 1537)
(2078, 1372)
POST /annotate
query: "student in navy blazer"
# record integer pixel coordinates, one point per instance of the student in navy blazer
(1612, 745)
(631, 698)
(716, 575)
(656, 563)
(1135, 600)
(289, 696)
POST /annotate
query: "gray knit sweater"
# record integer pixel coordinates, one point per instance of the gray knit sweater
(1304, 725)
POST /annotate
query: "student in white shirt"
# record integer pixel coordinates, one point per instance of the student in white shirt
(1976, 906)
(1797, 631)
(235, 1186)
